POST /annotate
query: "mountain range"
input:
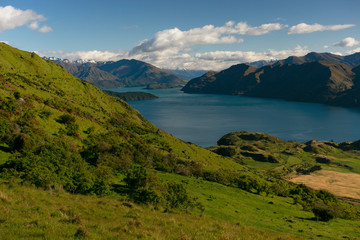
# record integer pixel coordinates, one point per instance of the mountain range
(352, 60)
(122, 73)
(317, 77)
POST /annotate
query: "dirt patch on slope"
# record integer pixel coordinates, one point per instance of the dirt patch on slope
(339, 184)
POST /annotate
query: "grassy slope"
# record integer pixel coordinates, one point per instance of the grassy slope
(229, 214)
(59, 215)
(264, 212)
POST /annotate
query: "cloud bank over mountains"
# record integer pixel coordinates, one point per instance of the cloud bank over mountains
(177, 49)
(174, 48)
(173, 41)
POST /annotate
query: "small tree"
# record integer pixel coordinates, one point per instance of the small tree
(323, 213)
(139, 177)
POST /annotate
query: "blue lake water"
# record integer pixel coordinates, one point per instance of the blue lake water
(204, 118)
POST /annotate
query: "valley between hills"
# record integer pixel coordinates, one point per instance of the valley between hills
(78, 163)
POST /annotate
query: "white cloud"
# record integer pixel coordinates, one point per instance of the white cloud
(172, 48)
(33, 25)
(250, 56)
(45, 29)
(219, 60)
(326, 46)
(174, 41)
(347, 42)
(87, 55)
(307, 28)
(11, 18)
(337, 53)
(243, 28)
(356, 50)
(216, 60)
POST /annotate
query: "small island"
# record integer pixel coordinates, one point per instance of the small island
(131, 96)
(153, 86)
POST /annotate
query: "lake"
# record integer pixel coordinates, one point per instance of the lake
(204, 118)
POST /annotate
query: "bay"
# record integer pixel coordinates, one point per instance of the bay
(204, 118)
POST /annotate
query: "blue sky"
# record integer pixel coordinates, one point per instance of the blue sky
(209, 35)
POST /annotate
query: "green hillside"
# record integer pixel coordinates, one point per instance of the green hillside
(77, 161)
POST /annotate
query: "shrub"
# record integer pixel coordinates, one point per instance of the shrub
(45, 114)
(66, 119)
(323, 213)
(227, 151)
(177, 196)
(55, 164)
(71, 129)
(19, 142)
(139, 177)
(5, 130)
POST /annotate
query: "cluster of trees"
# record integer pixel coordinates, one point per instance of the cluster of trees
(146, 187)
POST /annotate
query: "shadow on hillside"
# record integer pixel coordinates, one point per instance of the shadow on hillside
(5, 149)
(124, 190)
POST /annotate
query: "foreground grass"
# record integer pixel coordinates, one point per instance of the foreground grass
(264, 212)
(31, 213)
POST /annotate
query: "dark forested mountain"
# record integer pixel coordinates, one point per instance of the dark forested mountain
(123, 73)
(133, 73)
(316, 81)
(352, 60)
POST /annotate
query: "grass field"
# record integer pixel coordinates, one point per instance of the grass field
(339, 184)
(264, 212)
(30, 213)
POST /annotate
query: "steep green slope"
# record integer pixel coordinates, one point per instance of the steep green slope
(47, 112)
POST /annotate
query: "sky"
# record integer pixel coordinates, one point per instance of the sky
(186, 34)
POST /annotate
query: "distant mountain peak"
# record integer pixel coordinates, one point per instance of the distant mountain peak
(122, 73)
(351, 60)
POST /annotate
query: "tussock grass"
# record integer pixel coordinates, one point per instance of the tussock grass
(43, 214)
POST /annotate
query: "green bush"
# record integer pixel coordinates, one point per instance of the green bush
(139, 177)
(19, 142)
(55, 164)
(71, 129)
(5, 130)
(145, 187)
(323, 213)
(45, 114)
(66, 119)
